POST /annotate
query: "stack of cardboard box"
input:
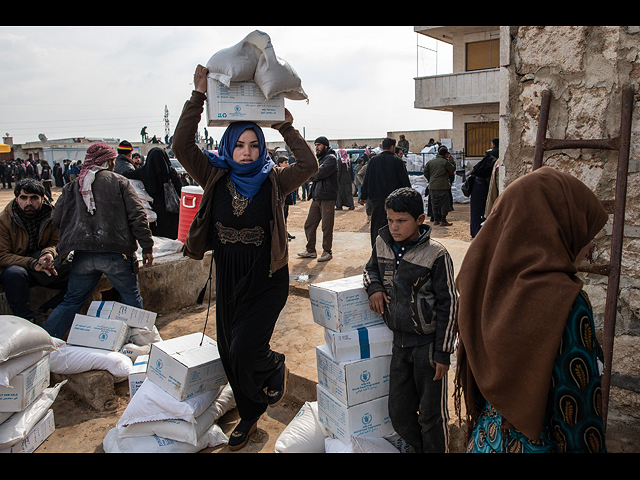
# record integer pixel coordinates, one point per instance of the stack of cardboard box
(353, 366)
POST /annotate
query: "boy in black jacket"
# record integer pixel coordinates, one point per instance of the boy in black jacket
(410, 282)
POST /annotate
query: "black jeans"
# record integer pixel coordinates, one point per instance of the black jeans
(16, 281)
(418, 405)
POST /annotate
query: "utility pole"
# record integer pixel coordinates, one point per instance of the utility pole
(166, 122)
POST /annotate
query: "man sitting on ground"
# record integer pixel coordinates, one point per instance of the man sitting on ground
(28, 242)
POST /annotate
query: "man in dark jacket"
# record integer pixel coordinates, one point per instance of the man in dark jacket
(102, 220)
(124, 162)
(324, 193)
(385, 173)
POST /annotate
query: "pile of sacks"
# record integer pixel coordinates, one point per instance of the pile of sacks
(26, 418)
(254, 58)
(182, 393)
(155, 422)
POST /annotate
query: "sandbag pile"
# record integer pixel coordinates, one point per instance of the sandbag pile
(26, 418)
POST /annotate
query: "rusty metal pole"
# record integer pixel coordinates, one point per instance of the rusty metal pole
(542, 129)
(611, 305)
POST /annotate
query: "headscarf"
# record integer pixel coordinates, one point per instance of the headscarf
(344, 156)
(517, 285)
(156, 171)
(96, 159)
(247, 178)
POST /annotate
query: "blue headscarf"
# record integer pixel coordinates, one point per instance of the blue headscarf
(248, 177)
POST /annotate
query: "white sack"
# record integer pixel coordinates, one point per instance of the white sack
(134, 351)
(152, 403)
(20, 337)
(181, 430)
(11, 368)
(304, 434)
(143, 336)
(138, 186)
(360, 445)
(112, 443)
(254, 58)
(71, 359)
(19, 424)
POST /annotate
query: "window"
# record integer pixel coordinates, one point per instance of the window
(482, 55)
(478, 137)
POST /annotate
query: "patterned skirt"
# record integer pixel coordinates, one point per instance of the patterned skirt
(573, 420)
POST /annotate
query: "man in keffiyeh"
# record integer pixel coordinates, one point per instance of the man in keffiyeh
(97, 158)
(102, 220)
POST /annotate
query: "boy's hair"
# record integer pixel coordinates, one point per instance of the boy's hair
(29, 185)
(405, 199)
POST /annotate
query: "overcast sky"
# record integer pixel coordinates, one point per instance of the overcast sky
(111, 81)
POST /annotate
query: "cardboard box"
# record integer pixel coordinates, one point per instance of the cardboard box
(25, 387)
(368, 419)
(138, 374)
(364, 342)
(95, 332)
(184, 368)
(353, 382)
(134, 317)
(342, 305)
(36, 436)
(241, 101)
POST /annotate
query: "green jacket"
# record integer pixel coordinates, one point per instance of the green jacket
(437, 171)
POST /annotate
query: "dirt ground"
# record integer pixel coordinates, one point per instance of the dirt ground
(81, 429)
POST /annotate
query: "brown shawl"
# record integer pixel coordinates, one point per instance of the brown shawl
(517, 285)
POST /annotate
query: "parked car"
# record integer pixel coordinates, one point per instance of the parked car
(177, 165)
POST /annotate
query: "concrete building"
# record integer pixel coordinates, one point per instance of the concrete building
(500, 74)
(471, 92)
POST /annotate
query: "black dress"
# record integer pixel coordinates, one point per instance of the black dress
(248, 298)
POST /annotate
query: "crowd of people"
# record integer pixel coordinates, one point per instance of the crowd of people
(515, 316)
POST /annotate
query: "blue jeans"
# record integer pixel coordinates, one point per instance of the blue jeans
(86, 270)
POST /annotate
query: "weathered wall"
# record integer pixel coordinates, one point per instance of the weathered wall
(585, 68)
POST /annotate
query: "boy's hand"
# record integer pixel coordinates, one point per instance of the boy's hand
(377, 302)
(441, 371)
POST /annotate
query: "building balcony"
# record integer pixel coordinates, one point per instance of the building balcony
(444, 92)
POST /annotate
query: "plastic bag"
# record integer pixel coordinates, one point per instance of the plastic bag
(254, 58)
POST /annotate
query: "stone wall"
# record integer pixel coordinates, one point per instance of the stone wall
(585, 68)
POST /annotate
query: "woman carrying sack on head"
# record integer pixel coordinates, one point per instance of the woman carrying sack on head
(241, 218)
(528, 359)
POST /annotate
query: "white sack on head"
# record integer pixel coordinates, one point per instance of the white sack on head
(254, 58)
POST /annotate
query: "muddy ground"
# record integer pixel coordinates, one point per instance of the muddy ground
(81, 429)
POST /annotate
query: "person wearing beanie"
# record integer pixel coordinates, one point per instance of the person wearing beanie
(124, 162)
(102, 220)
(324, 193)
